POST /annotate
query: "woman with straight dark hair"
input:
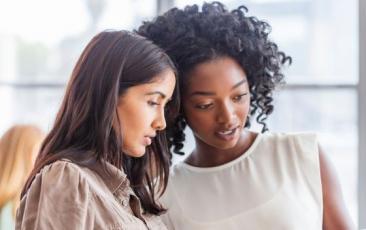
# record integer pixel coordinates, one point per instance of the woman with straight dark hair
(106, 155)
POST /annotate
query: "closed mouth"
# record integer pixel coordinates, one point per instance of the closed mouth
(148, 140)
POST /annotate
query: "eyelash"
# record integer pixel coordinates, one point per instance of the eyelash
(239, 97)
(152, 103)
(203, 107)
(207, 106)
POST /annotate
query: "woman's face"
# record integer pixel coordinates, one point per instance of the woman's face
(216, 102)
(141, 112)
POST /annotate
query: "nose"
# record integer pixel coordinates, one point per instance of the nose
(226, 114)
(159, 122)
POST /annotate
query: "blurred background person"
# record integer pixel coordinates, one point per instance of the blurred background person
(19, 147)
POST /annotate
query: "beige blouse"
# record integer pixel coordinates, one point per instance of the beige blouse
(65, 195)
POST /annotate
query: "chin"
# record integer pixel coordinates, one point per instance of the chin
(223, 147)
(226, 145)
(136, 152)
(139, 154)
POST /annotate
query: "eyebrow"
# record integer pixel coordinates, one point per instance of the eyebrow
(205, 93)
(239, 84)
(156, 92)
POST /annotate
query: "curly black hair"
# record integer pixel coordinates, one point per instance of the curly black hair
(191, 37)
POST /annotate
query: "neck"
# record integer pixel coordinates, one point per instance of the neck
(205, 155)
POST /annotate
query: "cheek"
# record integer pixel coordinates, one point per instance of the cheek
(243, 111)
(136, 121)
(126, 125)
(199, 120)
(132, 122)
(132, 128)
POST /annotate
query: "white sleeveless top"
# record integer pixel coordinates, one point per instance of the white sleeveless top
(274, 185)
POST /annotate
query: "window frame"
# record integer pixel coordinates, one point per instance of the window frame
(362, 116)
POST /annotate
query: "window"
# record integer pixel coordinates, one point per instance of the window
(40, 42)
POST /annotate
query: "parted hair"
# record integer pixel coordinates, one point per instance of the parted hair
(84, 130)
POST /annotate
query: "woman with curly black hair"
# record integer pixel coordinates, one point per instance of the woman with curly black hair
(235, 178)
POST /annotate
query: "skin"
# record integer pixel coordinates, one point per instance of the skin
(212, 105)
(141, 112)
(217, 98)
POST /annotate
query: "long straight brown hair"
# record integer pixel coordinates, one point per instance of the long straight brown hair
(83, 131)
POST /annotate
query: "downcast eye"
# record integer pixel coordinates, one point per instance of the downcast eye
(203, 107)
(240, 97)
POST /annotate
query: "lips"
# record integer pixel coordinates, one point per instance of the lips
(227, 134)
(147, 141)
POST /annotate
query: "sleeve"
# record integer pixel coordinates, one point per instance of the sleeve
(308, 164)
(58, 198)
(307, 151)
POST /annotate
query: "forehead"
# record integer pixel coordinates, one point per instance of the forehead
(163, 82)
(215, 74)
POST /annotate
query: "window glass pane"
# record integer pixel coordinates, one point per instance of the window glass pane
(321, 36)
(41, 40)
(29, 106)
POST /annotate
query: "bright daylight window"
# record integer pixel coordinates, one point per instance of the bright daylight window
(40, 42)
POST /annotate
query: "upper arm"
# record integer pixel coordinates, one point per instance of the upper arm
(57, 199)
(335, 213)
